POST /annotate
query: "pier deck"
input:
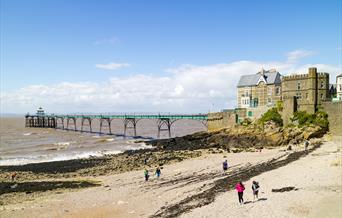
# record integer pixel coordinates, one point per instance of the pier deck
(62, 121)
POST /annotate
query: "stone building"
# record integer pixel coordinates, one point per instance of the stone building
(261, 89)
(339, 87)
(308, 90)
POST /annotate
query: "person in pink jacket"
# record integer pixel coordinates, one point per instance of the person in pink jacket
(240, 188)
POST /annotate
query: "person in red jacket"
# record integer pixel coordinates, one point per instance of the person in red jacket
(240, 188)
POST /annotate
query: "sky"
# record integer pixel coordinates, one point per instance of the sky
(177, 56)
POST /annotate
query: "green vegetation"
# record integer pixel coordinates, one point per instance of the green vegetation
(246, 122)
(279, 105)
(272, 115)
(303, 118)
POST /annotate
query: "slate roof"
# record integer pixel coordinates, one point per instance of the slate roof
(252, 80)
(332, 86)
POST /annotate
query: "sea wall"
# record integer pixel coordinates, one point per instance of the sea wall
(221, 120)
(334, 111)
(257, 112)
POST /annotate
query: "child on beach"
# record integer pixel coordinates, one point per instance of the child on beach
(255, 188)
(146, 175)
(225, 165)
(240, 188)
(13, 175)
(158, 172)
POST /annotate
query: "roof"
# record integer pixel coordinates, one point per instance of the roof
(332, 86)
(271, 77)
(339, 75)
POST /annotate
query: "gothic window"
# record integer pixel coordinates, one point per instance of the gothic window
(307, 95)
(277, 90)
(321, 95)
(322, 84)
(298, 85)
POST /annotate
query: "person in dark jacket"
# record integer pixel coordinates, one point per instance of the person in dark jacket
(158, 172)
(225, 165)
(146, 175)
(255, 188)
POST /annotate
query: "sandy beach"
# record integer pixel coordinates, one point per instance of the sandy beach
(197, 187)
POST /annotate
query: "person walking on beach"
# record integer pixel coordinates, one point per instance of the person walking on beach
(225, 165)
(158, 172)
(240, 188)
(255, 188)
(146, 175)
(13, 175)
(306, 145)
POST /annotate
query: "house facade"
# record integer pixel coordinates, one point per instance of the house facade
(339, 87)
(259, 90)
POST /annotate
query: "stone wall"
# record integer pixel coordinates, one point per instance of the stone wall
(334, 111)
(255, 113)
(225, 119)
(289, 107)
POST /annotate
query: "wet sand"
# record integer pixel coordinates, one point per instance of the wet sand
(197, 187)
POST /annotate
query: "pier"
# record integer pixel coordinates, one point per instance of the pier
(68, 122)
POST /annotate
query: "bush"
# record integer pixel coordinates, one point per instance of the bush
(246, 122)
(279, 105)
(320, 118)
(272, 115)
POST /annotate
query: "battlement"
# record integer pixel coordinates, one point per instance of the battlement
(322, 74)
(304, 76)
(295, 77)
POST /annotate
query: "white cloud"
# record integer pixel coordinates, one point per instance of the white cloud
(112, 66)
(187, 89)
(296, 55)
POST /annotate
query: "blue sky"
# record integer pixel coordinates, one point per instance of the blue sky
(48, 44)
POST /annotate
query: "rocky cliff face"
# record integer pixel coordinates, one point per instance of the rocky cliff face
(240, 138)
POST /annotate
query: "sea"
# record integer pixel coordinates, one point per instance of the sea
(22, 145)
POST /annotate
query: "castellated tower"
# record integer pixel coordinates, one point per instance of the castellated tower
(308, 90)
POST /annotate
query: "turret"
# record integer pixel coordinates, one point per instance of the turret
(312, 88)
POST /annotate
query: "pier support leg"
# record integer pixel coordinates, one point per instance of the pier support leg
(109, 121)
(130, 123)
(89, 120)
(60, 120)
(164, 124)
(74, 122)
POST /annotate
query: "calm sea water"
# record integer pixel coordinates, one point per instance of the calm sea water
(20, 145)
